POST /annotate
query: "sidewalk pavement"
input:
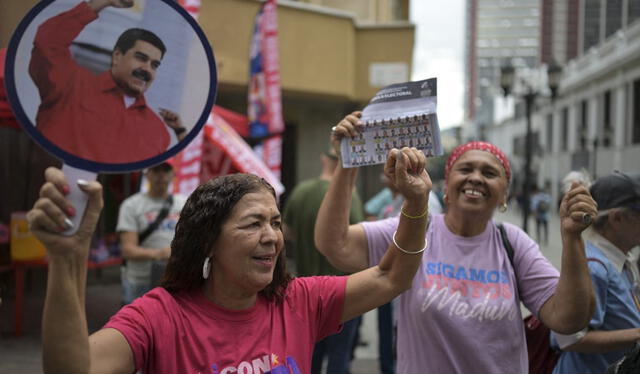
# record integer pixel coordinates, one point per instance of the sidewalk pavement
(23, 355)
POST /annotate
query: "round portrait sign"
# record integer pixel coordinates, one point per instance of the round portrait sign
(110, 85)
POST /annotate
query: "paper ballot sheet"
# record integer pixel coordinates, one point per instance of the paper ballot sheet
(399, 115)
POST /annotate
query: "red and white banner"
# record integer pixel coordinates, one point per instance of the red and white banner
(264, 99)
(6, 115)
(272, 66)
(240, 154)
(186, 164)
(219, 150)
(191, 6)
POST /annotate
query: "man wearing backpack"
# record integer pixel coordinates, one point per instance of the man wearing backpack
(615, 325)
(540, 204)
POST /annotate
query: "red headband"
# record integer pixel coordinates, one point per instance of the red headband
(480, 146)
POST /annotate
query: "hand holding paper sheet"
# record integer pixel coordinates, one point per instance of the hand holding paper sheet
(399, 115)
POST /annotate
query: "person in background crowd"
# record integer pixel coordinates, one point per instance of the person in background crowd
(462, 314)
(226, 303)
(300, 212)
(615, 325)
(540, 206)
(385, 204)
(374, 208)
(146, 225)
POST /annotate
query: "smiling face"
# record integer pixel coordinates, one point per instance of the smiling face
(245, 253)
(134, 70)
(477, 182)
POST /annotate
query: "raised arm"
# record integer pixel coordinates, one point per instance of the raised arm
(394, 274)
(571, 306)
(66, 346)
(173, 121)
(51, 65)
(344, 246)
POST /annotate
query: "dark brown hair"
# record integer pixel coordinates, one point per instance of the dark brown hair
(199, 226)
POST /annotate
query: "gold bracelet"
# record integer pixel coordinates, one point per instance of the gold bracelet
(393, 237)
(415, 217)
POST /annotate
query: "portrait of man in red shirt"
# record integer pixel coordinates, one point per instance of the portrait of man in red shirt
(105, 117)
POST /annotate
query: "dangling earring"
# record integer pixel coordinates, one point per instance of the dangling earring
(206, 267)
(445, 198)
(503, 207)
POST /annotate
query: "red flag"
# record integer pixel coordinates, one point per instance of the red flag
(191, 6)
(6, 115)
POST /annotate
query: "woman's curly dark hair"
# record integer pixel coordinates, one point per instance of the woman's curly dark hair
(199, 226)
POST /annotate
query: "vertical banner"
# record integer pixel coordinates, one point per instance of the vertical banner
(187, 164)
(191, 6)
(6, 115)
(264, 101)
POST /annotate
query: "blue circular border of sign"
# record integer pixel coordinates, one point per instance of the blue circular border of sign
(94, 166)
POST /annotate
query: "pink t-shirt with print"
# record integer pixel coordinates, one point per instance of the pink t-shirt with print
(187, 333)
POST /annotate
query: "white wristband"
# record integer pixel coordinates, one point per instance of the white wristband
(567, 340)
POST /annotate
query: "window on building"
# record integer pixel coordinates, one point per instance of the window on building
(635, 129)
(549, 145)
(582, 128)
(607, 125)
(613, 16)
(564, 133)
(591, 23)
(633, 11)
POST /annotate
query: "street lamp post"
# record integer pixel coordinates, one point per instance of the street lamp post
(595, 158)
(506, 82)
(529, 100)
